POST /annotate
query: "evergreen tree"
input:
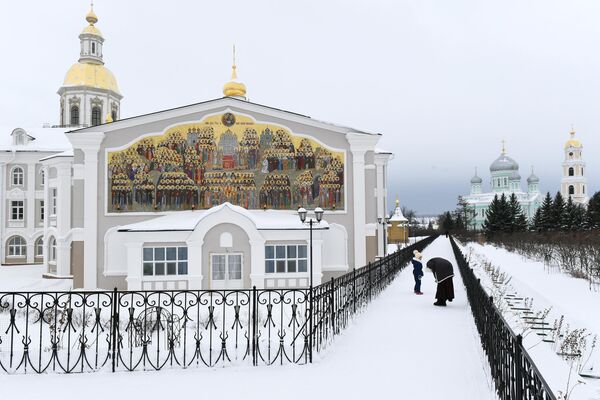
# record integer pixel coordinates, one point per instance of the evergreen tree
(497, 216)
(504, 218)
(558, 214)
(574, 216)
(536, 224)
(446, 222)
(593, 212)
(516, 218)
(545, 219)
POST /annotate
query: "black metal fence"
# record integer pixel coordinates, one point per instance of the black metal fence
(515, 375)
(81, 331)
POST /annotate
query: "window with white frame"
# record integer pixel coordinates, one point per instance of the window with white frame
(165, 260)
(17, 246)
(285, 258)
(17, 210)
(52, 250)
(53, 201)
(42, 210)
(18, 176)
(42, 177)
(39, 247)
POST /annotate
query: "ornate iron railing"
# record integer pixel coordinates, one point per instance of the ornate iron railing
(515, 375)
(81, 331)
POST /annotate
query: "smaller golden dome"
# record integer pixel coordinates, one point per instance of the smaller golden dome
(233, 88)
(91, 30)
(91, 17)
(573, 142)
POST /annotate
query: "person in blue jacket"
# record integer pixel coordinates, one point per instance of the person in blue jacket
(417, 270)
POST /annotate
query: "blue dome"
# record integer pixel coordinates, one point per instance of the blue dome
(476, 180)
(533, 178)
(504, 163)
(515, 176)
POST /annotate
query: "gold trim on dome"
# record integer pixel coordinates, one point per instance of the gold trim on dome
(572, 142)
(92, 75)
(91, 30)
(234, 88)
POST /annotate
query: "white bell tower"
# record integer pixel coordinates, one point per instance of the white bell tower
(574, 182)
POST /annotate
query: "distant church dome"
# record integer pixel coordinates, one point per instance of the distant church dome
(504, 163)
(533, 178)
(476, 179)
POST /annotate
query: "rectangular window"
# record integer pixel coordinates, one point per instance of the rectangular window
(42, 210)
(168, 260)
(17, 210)
(286, 258)
(53, 201)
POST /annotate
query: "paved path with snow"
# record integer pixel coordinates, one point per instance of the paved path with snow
(402, 347)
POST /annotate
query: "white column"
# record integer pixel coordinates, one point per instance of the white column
(381, 213)
(30, 210)
(257, 263)
(317, 258)
(63, 217)
(359, 145)
(89, 143)
(195, 264)
(3, 205)
(46, 217)
(134, 265)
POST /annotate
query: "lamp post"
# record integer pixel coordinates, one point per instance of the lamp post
(302, 212)
(384, 221)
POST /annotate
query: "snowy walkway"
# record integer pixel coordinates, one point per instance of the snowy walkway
(402, 347)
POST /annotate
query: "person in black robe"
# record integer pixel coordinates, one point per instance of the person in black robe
(443, 273)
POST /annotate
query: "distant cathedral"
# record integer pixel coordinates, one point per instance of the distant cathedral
(505, 180)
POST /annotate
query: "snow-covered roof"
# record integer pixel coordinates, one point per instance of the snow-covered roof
(68, 153)
(189, 220)
(40, 139)
(398, 216)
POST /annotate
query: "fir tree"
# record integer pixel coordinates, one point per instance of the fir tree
(574, 216)
(592, 216)
(545, 219)
(516, 218)
(558, 214)
(536, 224)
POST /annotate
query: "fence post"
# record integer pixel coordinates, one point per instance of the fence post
(354, 290)
(115, 327)
(254, 327)
(310, 324)
(519, 368)
(332, 305)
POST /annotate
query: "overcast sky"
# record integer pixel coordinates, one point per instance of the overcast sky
(443, 81)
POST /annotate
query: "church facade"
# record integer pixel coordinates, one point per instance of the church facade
(203, 196)
(505, 179)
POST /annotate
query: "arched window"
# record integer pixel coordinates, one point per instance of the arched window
(17, 176)
(42, 177)
(74, 115)
(39, 247)
(96, 116)
(583, 189)
(581, 171)
(93, 48)
(17, 246)
(52, 249)
(571, 171)
(113, 115)
(571, 189)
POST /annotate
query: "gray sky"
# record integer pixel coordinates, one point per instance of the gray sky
(444, 81)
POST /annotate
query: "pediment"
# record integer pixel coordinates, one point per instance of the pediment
(16, 194)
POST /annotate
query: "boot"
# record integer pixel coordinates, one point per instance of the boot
(440, 303)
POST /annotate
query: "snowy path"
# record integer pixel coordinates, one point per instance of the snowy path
(392, 351)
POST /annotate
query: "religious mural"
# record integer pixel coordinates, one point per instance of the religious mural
(225, 158)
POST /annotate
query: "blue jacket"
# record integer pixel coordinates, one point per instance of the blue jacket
(417, 267)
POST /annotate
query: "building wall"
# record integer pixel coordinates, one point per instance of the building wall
(123, 137)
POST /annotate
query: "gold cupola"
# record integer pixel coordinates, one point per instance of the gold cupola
(572, 142)
(233, 88)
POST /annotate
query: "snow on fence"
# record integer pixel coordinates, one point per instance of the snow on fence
(83, 331)
(515, 375)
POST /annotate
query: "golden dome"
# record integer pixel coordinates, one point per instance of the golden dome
(91, 30)
(91, 17)
(92, 75)
(573, 142)
(233, 88)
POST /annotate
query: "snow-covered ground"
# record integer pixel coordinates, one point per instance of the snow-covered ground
(566, 296)
(401, 347)
(29, 278)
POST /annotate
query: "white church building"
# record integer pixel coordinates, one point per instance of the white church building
(203, 196)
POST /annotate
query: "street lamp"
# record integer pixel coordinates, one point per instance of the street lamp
(302, 212)
(384, 221)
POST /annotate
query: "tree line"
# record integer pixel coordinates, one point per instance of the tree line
(505, 215)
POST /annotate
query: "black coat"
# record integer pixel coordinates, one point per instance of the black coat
(441, 268)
